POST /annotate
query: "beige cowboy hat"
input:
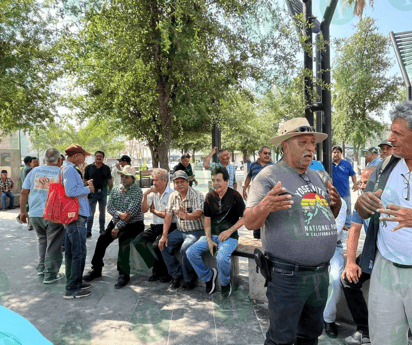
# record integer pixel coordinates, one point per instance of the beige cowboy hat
(295, 127)
(128, 170)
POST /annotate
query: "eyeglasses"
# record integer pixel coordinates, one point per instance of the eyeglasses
(266, 153)
(303, 129)
(407, 190)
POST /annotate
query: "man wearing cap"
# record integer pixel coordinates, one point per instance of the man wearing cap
(385, 148)
(372, 157)
(187, 205)
(102, 179)
(75, 236)
(125, 207)
(297, 213)
(341, 170)
(122, 162)
(6, 185)
(224, 159)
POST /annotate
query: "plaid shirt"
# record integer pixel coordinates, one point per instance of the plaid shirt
(6, 186)
(230, 169)
(193, 201)
(121, 201)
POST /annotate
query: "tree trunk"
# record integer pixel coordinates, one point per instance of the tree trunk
(193, 155)
(343, 149)
(245, 156)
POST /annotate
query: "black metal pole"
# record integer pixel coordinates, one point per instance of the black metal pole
(308, 61)
(216, 140)
(326, 99)
(319, 151)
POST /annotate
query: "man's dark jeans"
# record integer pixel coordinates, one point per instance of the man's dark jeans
(3, 199)
(152, 236)
(75, 253)
(296, 304)
(356, 302)
(125, 237)
(101, 198)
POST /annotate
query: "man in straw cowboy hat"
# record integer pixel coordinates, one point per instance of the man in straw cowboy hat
(125, 206)
(297, 213)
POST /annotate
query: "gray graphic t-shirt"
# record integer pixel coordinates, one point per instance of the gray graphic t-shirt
(307, 232)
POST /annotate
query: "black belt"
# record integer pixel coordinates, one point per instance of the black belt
(401, 266)
(290, 266)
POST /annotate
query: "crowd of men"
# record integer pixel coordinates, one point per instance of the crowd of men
(302, 213)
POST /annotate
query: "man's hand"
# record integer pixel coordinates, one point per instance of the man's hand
(214, 150)
(211, 245)
(182, 213)
(352, 273)
(115, 232)
(345, 228)
(90, 185)
(355, 187)
(162, 242)
(273, 202)
(335, 201)
(244, 194)
(23, 217)
(125, 216)
(151, 190)
(400, 214)
(369, 202)
(224, 235)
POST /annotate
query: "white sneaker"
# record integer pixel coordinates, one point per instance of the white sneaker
(58, 277)
(76, 294)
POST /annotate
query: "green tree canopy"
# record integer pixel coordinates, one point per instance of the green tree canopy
(362, 88)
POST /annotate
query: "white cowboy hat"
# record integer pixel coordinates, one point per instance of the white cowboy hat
(128, 170)
(295, 127)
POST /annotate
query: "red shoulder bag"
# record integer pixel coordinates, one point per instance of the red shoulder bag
(59, 207)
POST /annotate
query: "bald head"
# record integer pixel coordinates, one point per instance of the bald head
(366, 173)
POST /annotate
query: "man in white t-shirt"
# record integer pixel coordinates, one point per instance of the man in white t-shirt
(155, 200)
(387, 200)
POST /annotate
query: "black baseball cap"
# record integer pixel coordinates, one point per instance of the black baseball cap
(124, 158)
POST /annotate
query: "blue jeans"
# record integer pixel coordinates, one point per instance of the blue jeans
(4, 195)
(225, 250)
(75, 253)
(183, 240)
(100, 197)
(296, 304)
(335, 289)
(348, 210)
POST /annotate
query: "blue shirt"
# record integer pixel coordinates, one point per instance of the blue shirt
(38, 181)
(356, 218)
(74, 187)
(255, 168)
(374, 163)
(315, 165)
(341, 173)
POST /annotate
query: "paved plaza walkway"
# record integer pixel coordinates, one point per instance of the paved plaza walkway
(140, 313)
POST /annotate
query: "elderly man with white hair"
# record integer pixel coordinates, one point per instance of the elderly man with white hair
(297, 212)
(50, 235)
(387, 251)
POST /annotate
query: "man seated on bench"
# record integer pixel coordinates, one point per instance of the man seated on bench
(187, 204)
(155, 200)
(223, 211)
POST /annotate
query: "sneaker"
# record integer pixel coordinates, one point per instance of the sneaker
(357, 338)
(92, 274)
(85, 286)
(211, 284)
(40, 273)
(226, 290)
(30, 227)
(76, 294)
(53, 280)
(18, 220)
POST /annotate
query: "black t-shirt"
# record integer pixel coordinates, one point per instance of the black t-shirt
(224, 212)
(100, 176)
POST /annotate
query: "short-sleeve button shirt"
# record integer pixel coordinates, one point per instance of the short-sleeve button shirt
(193, 201)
